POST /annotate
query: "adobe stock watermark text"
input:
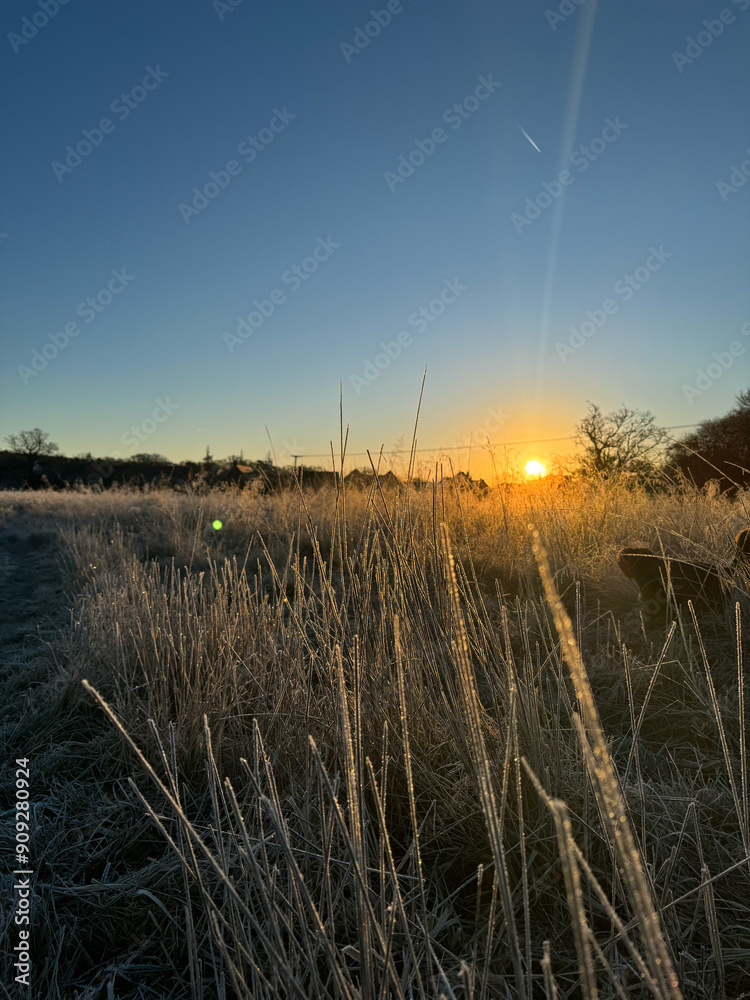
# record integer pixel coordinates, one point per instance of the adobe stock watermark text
(738, 176)
(293, 277)
(224, 7)
(219, 180)
(419, 320)
(122, 106)
(566, 9)
(722, 362)
(31, 26)
(624, 289)
(710, 30)
(454, 116)
(88, 309)
(581, 158)
(379, 19)
(22, 872)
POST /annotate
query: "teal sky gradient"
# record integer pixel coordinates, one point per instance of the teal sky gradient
(221, 74)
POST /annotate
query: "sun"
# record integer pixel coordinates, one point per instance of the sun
(534, 468)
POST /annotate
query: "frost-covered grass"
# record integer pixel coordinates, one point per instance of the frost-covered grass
(357, 771)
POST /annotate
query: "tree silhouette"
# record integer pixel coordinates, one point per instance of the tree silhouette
(149, 458)
(718, 448)
(33, 445)
(624, 440)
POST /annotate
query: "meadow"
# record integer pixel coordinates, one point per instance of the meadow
(352, 743)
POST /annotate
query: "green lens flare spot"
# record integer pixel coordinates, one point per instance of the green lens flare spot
(217, 525)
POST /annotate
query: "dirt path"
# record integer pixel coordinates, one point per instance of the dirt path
(32, 603)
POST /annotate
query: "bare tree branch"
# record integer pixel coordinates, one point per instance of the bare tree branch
(34, 444)
(624, 440)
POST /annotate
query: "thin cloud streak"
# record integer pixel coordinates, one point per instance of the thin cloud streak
(523, 130)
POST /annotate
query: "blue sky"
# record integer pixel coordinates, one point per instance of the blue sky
(201, 80)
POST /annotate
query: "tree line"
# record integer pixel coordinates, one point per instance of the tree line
(622, 441)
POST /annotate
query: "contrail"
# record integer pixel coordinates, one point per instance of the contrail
(530, 139)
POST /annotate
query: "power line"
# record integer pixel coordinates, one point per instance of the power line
(492, 444)
(451, 447)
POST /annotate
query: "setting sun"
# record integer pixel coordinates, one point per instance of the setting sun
(534, 468)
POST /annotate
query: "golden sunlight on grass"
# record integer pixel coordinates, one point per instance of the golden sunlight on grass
(534, 468)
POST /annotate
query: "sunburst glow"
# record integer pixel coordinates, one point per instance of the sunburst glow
(534, 468)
